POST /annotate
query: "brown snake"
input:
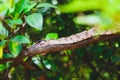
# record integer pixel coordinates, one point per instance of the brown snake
(74, 41)
(71, 42)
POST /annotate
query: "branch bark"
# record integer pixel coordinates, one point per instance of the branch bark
(74, 41)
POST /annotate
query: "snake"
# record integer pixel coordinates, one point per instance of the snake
(70, 42)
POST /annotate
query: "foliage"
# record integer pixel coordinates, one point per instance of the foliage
(23, 22)
(105, 15)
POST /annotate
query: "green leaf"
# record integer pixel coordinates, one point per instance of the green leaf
(90, 19)
(19, 8)
(2, 67)
(35, 20)
(8, 55)
(2, 43)
(80, 5)
(45, 5)
(20, 39)
(115, 58)
(51, 36)
(1, 51)
(28, 7)
(15, 48)
(4, 5)
(64, 59)
(17, 21)
(14, 22)
(3, 32)
(68, 52)
(18, 73)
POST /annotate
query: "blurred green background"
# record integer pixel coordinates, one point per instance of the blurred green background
(23, 22)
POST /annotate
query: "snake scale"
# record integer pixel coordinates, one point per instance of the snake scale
(71, 42)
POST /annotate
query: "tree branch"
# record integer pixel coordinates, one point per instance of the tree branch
(74, 41)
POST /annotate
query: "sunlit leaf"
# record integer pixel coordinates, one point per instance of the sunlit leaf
(50, 65)
(1, 51)
(67, 52)
(2, 43)
(117, 44)
(19, 7)
(65, 58)
(90, 20)
(15, 48)
(20, 39)
(51, 36)
(46, 5)
(14, 22)
(80, 5)
(36, 60)
(35, 20)
(3, 32)
(28, 7)
(4, 5)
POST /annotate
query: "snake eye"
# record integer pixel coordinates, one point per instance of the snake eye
(39, 41)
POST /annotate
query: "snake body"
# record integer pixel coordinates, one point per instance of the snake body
(71, 42)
